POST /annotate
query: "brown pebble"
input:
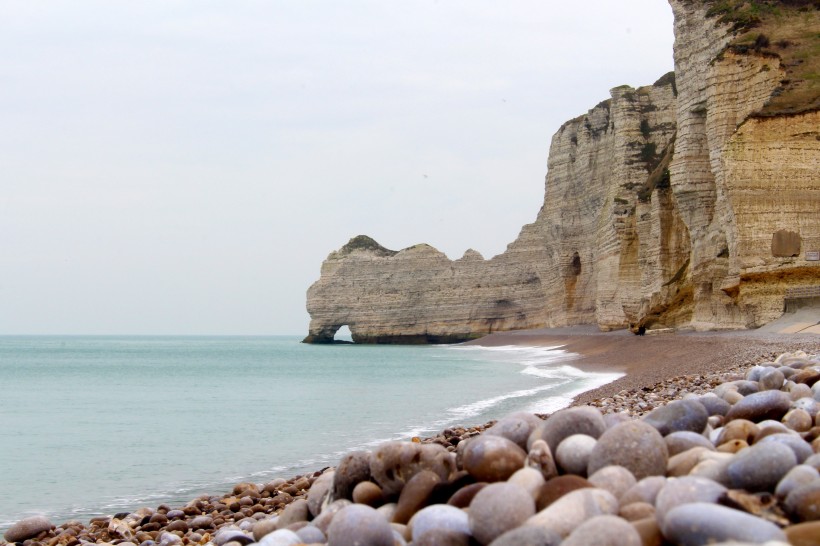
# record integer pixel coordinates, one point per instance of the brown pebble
(739, 429)
(463, 497)
(414, 495)
(649, 531)
(368, 493)
(556, 488)
(804, 534)
(635, 511)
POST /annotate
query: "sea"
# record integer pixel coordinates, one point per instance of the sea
(94, 426)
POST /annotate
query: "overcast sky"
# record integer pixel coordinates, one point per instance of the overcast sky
(183, 167)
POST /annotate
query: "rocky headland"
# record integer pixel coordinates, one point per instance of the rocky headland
(688, 203)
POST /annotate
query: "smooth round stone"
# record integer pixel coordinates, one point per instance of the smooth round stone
(813, 461)
(323, 520)
(393, 463)
(311, 534)
(714, 405)
(498, 508)
(732, 446)
(635, 511)
(557, 487)
(528, 536)
(293, 512)
(573, 453)
(645, 490)
(387, 511)
(800, 392)
(801, 449)
(202, 522)
(282, 537)
(803, 503)
(530, 479)
(319, 492)
(352, 469)
(27, 528)
(612, 419)
(264, 527)
(804, 534)
(761, 405)
(540, 458)
(761, 466)
(439, 516)
(678, 442)
(368, 493)
(615, 479)
(492, 458)
(358, 524)
(566, 422)
(686, 490)
(415, 495)
(635, 445)
(809, 405)
(713, 466)
(225, 535)
(516, 428)
(604, 531)
(464, 496)
(677, 416)
(683, 463)
(571, 510)
(739, 429)
(796, 477)
(704, 523)
(442, 537)
(771, 379)
(754, 373)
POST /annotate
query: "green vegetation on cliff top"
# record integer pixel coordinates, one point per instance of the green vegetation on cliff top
(785, 29)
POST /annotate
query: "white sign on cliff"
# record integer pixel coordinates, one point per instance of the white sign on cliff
(812, 255)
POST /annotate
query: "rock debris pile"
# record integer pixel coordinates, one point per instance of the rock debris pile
(729, 461)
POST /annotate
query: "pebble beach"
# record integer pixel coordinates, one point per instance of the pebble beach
(708, 438)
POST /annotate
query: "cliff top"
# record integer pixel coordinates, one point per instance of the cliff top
(363, 242)
(784, 29)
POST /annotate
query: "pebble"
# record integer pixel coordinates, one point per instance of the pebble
(761, 466)
(498, 508)
(528, 536)
(700, 523)
(572, 454)
(492, 458)
(635, 445)
(319, 492)
(679, 415)
(540, 458)
(761, 405)
(564, 423)
(804, 534)
(799, 447)
(368, 493)
(771, 379)
(282, 537)
(27, 528)
(803, 503)
(646, 490)
(439, 516)
(678, 442)
(679, 491)
(604, 531)
(714, 405)
(797, 476)
(358, 524)
(310, 534)
(568, 512)
(516, 427)
(530, 479)
(615, 479)
(351, 470)
(636, 511)
(392, 464)
(414, 496)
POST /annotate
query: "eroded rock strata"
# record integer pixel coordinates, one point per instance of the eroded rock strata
(692, 203)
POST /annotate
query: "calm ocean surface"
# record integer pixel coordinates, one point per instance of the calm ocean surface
(98, 425)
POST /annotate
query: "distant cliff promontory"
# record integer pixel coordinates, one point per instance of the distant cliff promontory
(692, 202)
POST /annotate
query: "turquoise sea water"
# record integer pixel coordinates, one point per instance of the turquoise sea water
(98, 425)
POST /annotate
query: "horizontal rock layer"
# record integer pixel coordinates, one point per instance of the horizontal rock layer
(670, 205)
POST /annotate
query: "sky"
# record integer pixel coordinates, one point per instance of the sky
(180, 167)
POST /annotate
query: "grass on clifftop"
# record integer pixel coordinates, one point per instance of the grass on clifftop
(788, 29)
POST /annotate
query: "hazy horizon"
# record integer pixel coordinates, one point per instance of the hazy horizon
(184, 168)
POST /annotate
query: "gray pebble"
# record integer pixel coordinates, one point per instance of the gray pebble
(761, 405)
(573, 453)
(528, 536)
(498, 508)
(566, 422)
(679, 491)
(796, 477)
(282, 537)
(802, 449)
(645, 490)
(678, 442)
(701, 523)
(761, 466)
(27, 528)
(439, 516)
(604, 531)
(677, 416)
(358, 524)
(635, 445)
(352, 469)
(615, 479)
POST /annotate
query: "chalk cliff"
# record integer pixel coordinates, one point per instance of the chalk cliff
(691, 203)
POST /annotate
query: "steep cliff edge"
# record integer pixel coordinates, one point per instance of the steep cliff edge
(691, 202)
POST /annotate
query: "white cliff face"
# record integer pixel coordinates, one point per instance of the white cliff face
(668, 205)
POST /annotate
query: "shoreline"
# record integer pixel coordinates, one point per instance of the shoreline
(693, 362)
(649, 360)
